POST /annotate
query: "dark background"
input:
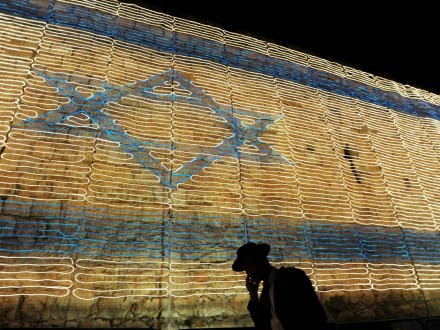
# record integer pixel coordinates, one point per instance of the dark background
(399, 43)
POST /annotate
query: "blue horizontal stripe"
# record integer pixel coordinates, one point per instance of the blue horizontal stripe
(313, 240)
(142, 34)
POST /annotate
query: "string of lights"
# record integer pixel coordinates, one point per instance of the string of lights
(139, 150)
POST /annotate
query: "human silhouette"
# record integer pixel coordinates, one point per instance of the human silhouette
(288, 300)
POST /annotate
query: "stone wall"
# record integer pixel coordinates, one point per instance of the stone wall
(140, 150)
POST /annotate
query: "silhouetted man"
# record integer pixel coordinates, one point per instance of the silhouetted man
(288, 300)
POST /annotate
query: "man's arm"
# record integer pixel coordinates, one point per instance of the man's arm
(254, 307)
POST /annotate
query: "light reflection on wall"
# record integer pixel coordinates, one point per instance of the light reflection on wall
(139, 150)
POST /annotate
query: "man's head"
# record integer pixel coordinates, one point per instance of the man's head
(252, 258)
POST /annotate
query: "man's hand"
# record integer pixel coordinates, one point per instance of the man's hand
(252, 287)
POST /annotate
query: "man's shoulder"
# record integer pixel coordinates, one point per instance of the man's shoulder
(293, 278)
(290, 269)
(291, 272)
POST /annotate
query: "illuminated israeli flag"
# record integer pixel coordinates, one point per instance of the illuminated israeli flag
(140, 150)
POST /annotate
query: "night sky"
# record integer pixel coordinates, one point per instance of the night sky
(397, 43)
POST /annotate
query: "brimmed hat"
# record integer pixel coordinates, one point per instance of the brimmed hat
(249, 251)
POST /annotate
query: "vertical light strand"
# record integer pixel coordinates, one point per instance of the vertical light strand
(362, 176)
(322, 192)
(207, 208)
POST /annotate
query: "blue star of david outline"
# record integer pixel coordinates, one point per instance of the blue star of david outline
(91, 107)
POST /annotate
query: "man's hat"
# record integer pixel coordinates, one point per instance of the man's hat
(247, 252)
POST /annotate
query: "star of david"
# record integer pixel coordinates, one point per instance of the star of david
(106, 128)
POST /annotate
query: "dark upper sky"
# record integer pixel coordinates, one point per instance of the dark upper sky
(398, 43)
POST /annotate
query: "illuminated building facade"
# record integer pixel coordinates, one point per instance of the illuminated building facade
(140, 150)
